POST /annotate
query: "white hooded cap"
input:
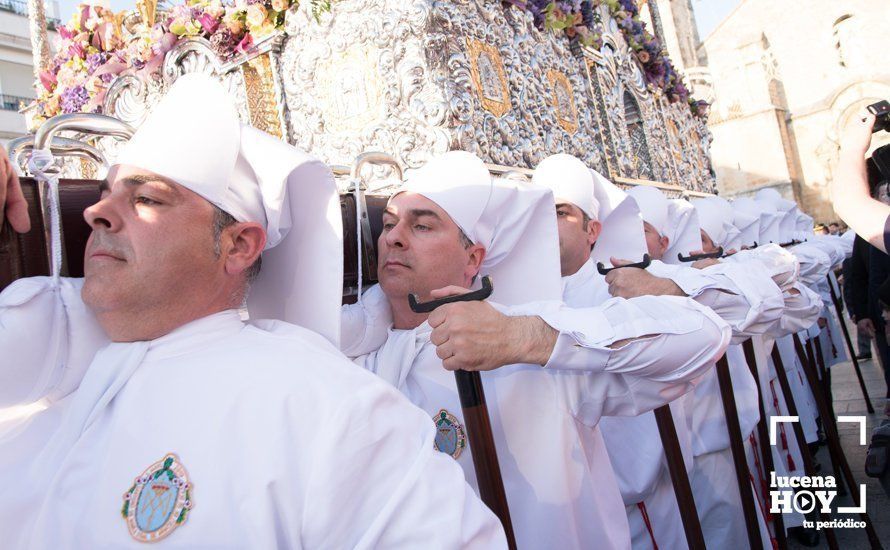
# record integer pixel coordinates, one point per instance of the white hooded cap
(786, 209)
(685, 231)
(622, 226)
(804, 227)
(514, 222)
(570, 180)
(194, 137)
(716, 215)
(768, 228)
(745, 218)
(653, 206)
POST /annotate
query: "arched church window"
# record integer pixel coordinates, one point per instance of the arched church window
(637, 135)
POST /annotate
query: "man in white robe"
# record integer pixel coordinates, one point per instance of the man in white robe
(544, 419)
(716, 490)
(802, 307)
(818, 258)
(747, 306)
(170, 420)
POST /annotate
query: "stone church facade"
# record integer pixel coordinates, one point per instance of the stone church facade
(784, 79)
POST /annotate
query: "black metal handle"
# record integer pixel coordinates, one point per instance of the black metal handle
(752, 247)
(642, 265)
(697, 257)
(476, 295)
(792, 243)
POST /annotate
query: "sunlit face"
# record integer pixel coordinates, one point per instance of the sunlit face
(420, 249)
(575, 237)
(655, 242)
(707, 245)
(152, 244)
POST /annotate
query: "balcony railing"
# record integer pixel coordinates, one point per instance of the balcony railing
(14, 102)
(21, 7)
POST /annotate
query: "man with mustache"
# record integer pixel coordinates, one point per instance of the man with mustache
(450, 224)
(168, 418)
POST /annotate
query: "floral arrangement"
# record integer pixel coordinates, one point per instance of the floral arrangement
(86, 61)
(575, 18)
(92, 50)
(657, 67)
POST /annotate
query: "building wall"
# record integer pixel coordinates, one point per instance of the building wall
(16, 72)
(811, 64)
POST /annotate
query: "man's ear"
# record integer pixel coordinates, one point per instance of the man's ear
(665, 244)
(246, 242)
(594, 228)
(474, 262)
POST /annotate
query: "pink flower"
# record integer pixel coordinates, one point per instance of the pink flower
(76, 50)
(48, 80)
(209, 23)
(245, 44)
(84, 16)
(65, 33)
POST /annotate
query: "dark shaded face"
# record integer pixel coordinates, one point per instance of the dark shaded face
(707, 245)
(882, 193)
(151, 244)
(421, 249)
(577, 234)
(656, 243)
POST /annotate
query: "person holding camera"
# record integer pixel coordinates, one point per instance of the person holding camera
(850, 193)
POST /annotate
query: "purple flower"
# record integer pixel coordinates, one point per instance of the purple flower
(73, 99)
(96, 60)
(587, 13)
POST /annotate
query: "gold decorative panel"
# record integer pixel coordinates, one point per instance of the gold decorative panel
(489, 77)
(563, 100)
(262, 103)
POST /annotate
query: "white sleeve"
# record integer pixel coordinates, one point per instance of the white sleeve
(49, 336)
(364, 325)
(782, 266)
(802, 309)
(673, 342)
(716, 288)
(382, 484)
(749, 301)
(814, 265)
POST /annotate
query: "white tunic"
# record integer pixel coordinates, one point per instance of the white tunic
(544, 420)
(286, 443)
(748, 306)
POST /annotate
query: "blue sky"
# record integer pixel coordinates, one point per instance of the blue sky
(708, 13)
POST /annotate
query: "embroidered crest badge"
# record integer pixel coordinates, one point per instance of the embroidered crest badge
(159, 500)
(450, 436)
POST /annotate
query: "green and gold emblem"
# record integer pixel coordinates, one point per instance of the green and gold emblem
(159, 500)
(450, 436)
